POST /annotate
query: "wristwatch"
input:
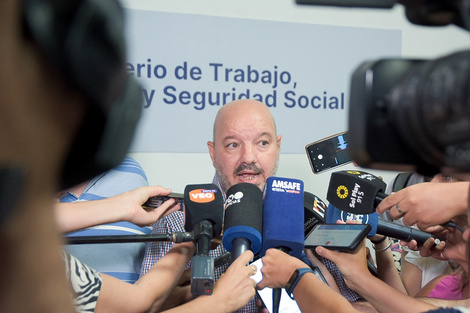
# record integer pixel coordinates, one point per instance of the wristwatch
(294, 280)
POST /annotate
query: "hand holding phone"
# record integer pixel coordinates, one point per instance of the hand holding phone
(341, 237)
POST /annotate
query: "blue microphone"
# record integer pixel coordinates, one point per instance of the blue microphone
(283, 220)
(283, 215)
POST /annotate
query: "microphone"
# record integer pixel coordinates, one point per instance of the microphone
(380, 226)
(243, 222)
(358, 194)
(283, 220)
(355, 191)
(204, 215)
(283, 215)
(314, 212)
(176, 237)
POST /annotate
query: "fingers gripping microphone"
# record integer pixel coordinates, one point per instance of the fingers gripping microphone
(243, 221)
(355, 192)
(204, 217)
(283, 220)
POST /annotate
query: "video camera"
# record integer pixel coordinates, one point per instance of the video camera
(412, 115)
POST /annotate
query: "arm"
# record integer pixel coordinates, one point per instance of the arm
(123, 207)
(427, 204)
(411, 275)
(310, 293)
(386, 269)
(231, 292)
(382, 296)
(447, 303)
(151, 290)
(426, 290)
(316, 262)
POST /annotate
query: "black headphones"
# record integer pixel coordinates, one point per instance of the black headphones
(84, 41)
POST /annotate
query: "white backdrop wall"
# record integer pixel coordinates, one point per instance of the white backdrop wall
(176, 170)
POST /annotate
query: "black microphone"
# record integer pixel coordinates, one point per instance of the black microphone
(283, 220)
(176, 237)
(355, 191)
(243, 222)
(204, 210)
(359, 193)
(403, 232)
(314, 212)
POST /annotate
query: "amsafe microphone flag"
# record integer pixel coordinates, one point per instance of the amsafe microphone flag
(243, 222)
(283, 215)
(379, 226)
(355, 191)
(204, 209)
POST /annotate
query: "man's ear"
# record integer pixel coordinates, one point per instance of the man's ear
(210, 146)
(278, 139)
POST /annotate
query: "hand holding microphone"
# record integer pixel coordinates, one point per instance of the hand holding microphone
(235, 287)
(427, 204)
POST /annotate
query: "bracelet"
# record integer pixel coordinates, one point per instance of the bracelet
(376, 242)
(383, 249)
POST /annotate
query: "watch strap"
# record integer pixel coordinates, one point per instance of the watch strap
(294, 280)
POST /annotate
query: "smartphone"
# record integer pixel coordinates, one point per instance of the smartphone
(328, 153)
(287, 305)
(155, 202)
(341, 237)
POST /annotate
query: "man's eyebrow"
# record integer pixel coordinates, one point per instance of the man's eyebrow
(263, 134)
(228, 138)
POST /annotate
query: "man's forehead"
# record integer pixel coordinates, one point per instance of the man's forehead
(246, 135)
(257, 124)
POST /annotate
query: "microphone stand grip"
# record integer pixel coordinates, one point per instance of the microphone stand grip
(240, 245)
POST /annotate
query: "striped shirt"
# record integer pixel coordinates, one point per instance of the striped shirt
(121, 260)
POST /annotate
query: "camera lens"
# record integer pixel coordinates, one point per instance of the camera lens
(431, 107)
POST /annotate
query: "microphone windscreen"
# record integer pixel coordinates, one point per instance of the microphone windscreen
(203, 202)
(283, 215)
(333, 214)
(243, 216)
(314, 212)
(354, 191)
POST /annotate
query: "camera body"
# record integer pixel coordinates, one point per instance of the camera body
(413, 115)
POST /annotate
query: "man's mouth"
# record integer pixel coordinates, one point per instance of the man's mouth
(248, 176)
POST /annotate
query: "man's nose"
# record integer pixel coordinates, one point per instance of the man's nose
(249, 154)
